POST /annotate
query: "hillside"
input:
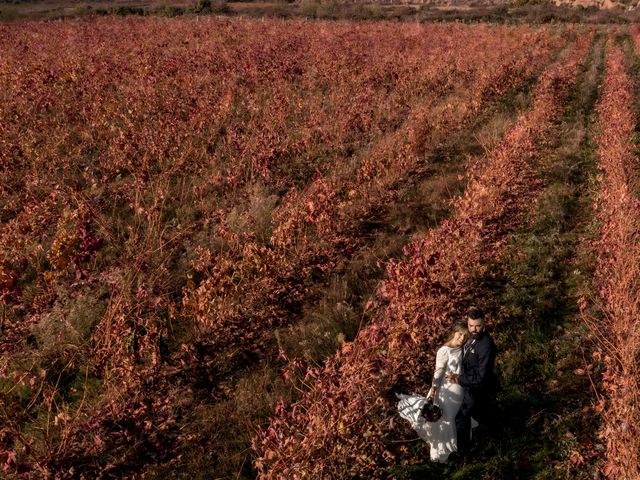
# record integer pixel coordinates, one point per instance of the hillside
(525, 12)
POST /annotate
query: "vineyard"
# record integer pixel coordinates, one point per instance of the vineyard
(226, 243)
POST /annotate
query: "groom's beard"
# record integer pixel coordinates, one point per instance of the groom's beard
(474, 336)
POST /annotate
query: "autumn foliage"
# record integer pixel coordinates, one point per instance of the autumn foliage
(345, 425)
(173, 190)
(314, 225)
(617, 276)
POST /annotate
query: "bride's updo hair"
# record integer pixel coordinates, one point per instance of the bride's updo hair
(457, 327)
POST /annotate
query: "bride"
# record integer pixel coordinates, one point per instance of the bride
(440, 435)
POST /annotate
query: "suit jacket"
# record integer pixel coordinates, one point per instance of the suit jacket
(478, 359)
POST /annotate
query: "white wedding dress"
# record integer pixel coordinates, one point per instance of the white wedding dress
(440, 435)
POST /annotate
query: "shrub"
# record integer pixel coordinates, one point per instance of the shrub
(127, 10)
(202, 6)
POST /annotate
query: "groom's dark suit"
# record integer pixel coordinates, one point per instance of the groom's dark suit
(480, 386)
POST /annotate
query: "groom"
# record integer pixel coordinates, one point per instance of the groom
(478, 380)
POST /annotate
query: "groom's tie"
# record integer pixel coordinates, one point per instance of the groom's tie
(467, 347)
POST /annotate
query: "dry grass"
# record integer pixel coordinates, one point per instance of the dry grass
(254, 215)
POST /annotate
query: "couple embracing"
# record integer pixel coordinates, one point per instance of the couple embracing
(464, 387)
